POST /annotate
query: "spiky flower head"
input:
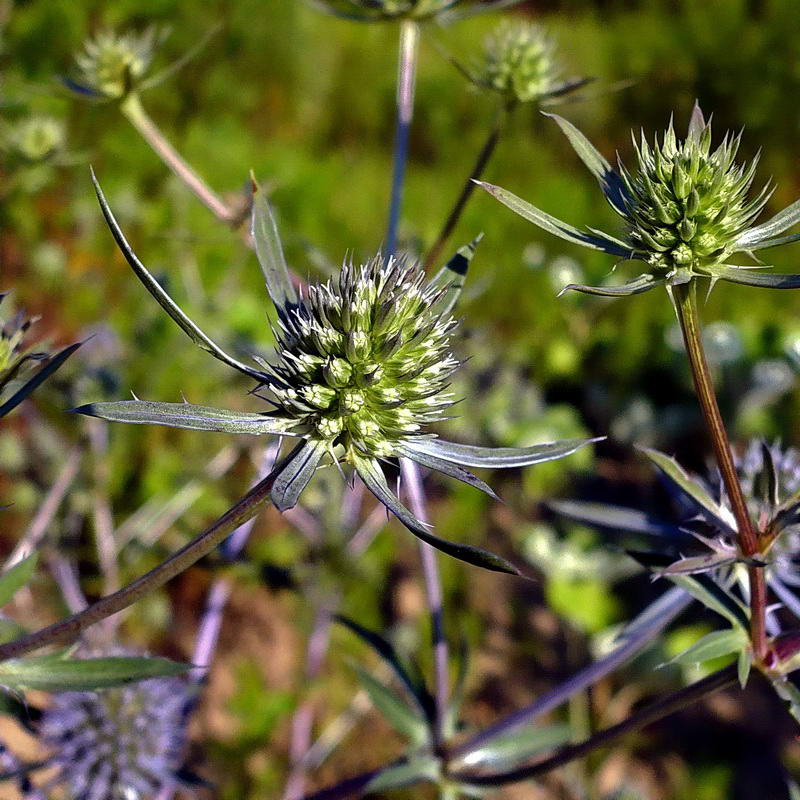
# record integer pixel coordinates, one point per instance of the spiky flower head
(111, 65)
(686, 210)
(365, 358)
(362, 372)
(118, 744)
(518, 62)
(35, 138)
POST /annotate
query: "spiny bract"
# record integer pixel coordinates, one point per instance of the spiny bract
(111, 64)
(364, 358)
(686, 212)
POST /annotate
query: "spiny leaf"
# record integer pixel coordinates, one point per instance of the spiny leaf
(186, 415)
(299, 469)
(643, 283)
(781, 222)
(747, 277)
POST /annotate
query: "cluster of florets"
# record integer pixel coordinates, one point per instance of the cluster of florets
(388, 9)
(111, 64)
(34, 138)
(687, 205)
(518, 62)
(364, 358)
(118, 744)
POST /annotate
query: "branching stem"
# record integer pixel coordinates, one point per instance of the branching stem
(685, 302)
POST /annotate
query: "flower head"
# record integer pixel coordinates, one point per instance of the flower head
(377, 10)
(686, 210)
(118, 744)
(35, 138)
(111, 65)
(362, 371)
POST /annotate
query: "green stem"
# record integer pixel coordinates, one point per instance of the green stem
(685, 301)
(484, 156)
(134, 112)
(67, 631)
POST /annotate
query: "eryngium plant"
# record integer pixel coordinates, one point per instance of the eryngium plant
(519, 64)
(117, 744)
(112, 65)
(387, 10)
(362, 371)
(686, 209)
(18, 373)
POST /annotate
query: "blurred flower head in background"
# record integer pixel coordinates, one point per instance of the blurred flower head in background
(35, 138)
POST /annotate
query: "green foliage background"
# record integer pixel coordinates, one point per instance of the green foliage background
(307, 102)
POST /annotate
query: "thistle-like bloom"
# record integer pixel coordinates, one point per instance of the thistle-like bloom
(519, 64)
(34, 139)
(362, 371)
(118, 744)
(687, 212)
(18, 375)
(112, 65)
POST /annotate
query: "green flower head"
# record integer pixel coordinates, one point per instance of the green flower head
(362, 370)
(33, 139)
(686, 210)
(112, 65)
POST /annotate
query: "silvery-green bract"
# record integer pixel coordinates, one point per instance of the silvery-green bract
(686, 211)
(362, 369)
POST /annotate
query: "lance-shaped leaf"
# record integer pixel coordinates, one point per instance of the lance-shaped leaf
(453, 275)
(614, 517)
(186, 415)
(55, 673)
(749, 277)
(397, 776)
(414, 684)
(695, 565)
(609, 179)
(781, 222)
(639, 285)
(38, 379)
(498, 457)
(394, 709)
(17, 576)
(604, 242)
(692, 490)
(714, 597)
(164, 300)
(269, 251)
(514, 748)
(299, 469)
(713, 645)
(743, 666)
(441, 465)
(370, 472)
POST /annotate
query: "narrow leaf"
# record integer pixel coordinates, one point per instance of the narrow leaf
(186, 415)
(781, 222)
(370, 472)
(453, 275)
(644, 283)
(610, 181)
(78, 675)
(407, 773)
(765, 244)
(713, 645)
(714, 597)
(748, 277)
(446, 467)
(516, 747)
(698, 564)
(270, 251)
(743, 666)
(38, 379)
(294, 477)
(564, 230)
(698, 496)
(615, 517)
(393, 709)
(163, 299)
(14, 578)
(498, 457)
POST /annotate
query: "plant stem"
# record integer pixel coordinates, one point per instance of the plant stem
(406, 76)
(685, 302)
(67, 631)
(484, 156)
(652, 713)
(134, 112)
(433, 590)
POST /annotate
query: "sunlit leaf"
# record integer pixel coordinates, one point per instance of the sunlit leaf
(749, 277)
(416, 770)
(781, 222)
(441, 465)
(713, 645)
(643, 283)
(512, 749)
(299, 469)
